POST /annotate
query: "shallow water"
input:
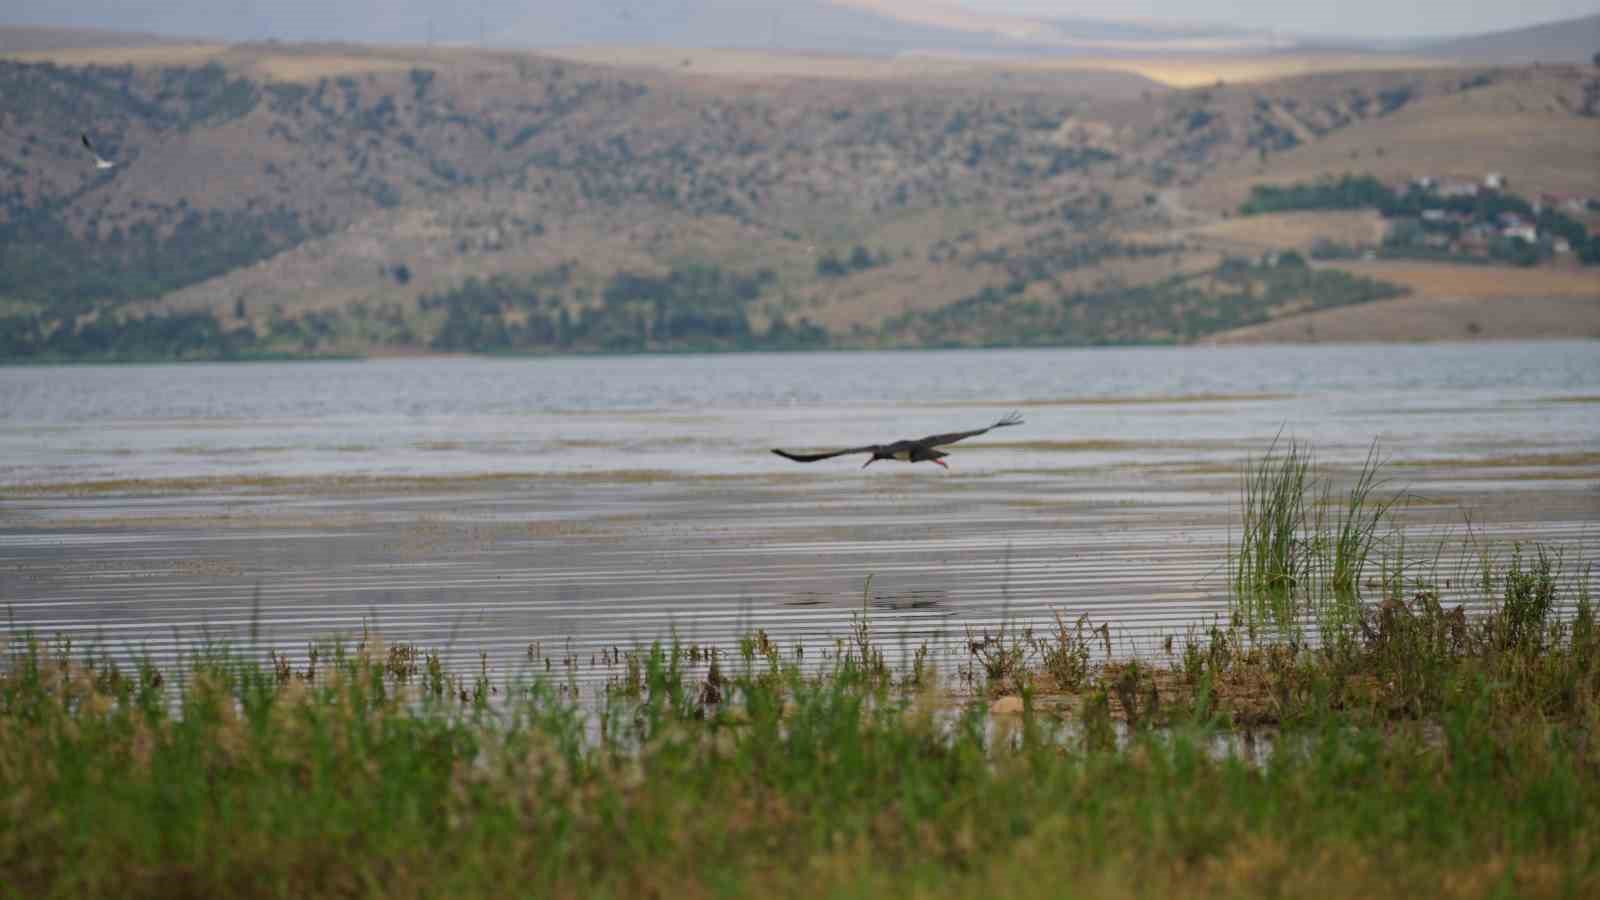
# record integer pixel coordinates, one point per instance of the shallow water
(719, 414)
(580, 503)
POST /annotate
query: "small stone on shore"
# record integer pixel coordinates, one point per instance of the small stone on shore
(1010, 705)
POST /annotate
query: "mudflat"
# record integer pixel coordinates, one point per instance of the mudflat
(488, 568)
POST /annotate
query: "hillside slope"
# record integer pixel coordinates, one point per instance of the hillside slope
(345, 199)
(1539, 127)
(38, 39)
(1569, 41)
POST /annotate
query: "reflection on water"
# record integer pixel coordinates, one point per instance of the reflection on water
(634, 498)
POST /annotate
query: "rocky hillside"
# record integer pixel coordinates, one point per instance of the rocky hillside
(336, 199)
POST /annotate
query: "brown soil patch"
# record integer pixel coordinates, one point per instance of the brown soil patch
(1296, 231)
(157, 55)
(1463, 281)
(1449, 302)
(1432, 319)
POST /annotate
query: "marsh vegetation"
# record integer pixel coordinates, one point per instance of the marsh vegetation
(1359, 720)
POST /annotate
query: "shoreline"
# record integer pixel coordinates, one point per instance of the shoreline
(1239, 337)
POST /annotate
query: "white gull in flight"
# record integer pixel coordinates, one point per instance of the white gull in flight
(100, 162)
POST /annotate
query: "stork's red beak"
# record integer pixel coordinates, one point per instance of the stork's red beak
(942, 465)
(869, 462)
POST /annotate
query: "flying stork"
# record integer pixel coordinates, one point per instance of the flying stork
(919, 450)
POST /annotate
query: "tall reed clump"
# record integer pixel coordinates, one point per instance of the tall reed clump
(1304, 546)
(1533, 650)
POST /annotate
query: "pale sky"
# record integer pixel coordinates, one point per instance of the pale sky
(538, 22)
(1364, 18)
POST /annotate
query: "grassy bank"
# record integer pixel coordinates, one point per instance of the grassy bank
(1347, 733)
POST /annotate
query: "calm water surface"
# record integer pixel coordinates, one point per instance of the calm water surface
(578, 503)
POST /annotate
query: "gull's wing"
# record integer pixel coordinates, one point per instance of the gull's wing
(937, 440)
(99, 161)
(813, 457)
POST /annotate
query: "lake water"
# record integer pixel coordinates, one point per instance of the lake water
(486, 505)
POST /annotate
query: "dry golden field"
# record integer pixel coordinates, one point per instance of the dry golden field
(1180, 70)
(1427, 279)
(152, 55)
(1412, 319)
(1450, 302)
(1293, 231)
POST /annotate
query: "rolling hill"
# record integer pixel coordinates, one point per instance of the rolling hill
(1540, 127)
(43, 39)
(328, 198)
(1568, 41)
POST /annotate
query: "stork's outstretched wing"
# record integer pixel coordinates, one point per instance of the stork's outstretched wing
(813, 457)
(937, 440)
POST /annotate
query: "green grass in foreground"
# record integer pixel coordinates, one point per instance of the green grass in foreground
(1417, 752)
